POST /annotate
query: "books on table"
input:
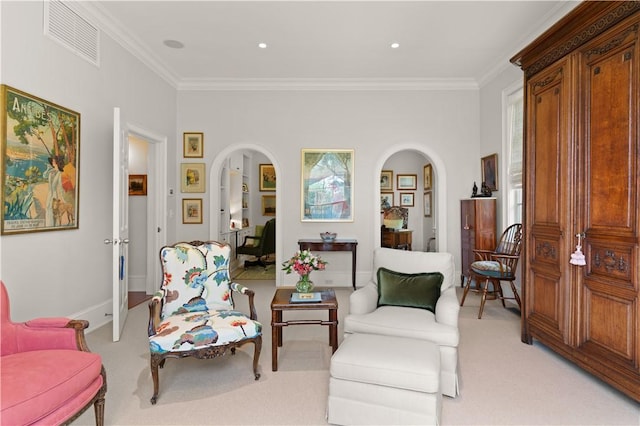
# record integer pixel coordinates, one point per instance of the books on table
(306, 297)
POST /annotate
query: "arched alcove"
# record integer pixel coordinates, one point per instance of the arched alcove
(215, 182)
(439, 188)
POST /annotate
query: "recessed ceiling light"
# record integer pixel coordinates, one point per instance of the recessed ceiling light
(174, 44)
(262, 45)
(395, 45)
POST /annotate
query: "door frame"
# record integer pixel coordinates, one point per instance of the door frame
(156, 201)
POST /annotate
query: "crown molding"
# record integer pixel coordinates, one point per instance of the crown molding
(338, 84)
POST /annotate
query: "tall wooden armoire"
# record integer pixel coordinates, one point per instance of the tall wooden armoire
(582, 177)
(478, 223)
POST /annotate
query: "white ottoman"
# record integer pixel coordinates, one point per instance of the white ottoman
(384, 380)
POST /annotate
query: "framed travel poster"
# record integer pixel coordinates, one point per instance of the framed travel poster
(40, 164)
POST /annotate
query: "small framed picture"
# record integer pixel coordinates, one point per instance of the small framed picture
(386, 180)
(427, 177)
(267, 175)
(268, 205)
(427, 204)
(192, 145)
(192, 210)
(490, 171)
(407, 182)
(192, 177)
(406, 199)
(386, 200)
(137, 184)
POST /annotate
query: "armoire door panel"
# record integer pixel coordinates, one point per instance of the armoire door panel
(608, 324)
(546, 249)
(547, 311)
(547, 136)
(611, 263)
(611, 141)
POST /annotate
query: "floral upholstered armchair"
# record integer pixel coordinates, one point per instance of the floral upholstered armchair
(193, 313)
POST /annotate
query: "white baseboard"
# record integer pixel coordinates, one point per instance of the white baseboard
(97, 315)
(138, 283)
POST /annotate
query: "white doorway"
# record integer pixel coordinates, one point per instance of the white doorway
(148, 223)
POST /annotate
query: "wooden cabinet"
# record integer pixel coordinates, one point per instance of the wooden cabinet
(397, 239)
(478, 222)
(582, 177)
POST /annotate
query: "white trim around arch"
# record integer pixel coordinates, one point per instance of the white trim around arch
(440, 179)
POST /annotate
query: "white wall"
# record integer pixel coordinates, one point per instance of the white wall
(373, 123)
(68, 273)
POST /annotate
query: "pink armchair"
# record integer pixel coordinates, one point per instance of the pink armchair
(47, 374)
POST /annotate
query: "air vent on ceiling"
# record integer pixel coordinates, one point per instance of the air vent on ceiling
(67, 27)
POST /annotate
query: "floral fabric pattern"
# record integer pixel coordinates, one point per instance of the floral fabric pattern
(196, 330)
(195, 278)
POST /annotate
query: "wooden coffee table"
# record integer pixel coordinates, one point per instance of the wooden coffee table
(282, 302)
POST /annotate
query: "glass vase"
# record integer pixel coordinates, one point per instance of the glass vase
(304, 284)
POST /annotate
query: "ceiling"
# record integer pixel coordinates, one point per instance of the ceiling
(459, 42)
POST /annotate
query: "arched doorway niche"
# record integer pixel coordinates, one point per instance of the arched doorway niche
(439, 190)
(215, 177)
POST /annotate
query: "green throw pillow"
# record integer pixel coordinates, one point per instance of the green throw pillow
(411, 290)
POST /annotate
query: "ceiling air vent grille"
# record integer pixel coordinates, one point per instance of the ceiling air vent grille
(67, 27)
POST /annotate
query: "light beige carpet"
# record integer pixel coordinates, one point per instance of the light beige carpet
(255, 273)
(503, 381)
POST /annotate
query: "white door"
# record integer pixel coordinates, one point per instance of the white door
(120, 238)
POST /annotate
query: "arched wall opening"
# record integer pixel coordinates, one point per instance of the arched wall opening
(439, 188)
(215, 176)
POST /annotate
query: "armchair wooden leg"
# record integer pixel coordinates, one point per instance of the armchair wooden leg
(515, 294)
(485, 290)
(154, 375)
(256, 356)
(497, 287)
(98, 408)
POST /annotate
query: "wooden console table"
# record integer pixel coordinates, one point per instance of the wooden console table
(336, 245)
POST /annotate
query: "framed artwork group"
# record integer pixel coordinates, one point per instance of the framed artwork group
(192, 177)
(405, 182)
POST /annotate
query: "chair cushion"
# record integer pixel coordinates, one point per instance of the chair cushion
(490, 268)
(420, 290)
(388, 361)
(257, 233)
(403, 322)
(195, 278)
(37, 383)
(197, 330)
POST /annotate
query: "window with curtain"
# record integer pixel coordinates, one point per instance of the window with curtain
(514, 110)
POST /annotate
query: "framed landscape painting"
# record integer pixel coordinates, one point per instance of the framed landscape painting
(327, 185)
(40, 164)
(267, 175)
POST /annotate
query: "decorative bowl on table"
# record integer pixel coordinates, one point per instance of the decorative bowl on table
(328, 237)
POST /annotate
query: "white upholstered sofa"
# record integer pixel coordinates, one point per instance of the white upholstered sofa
(440, 328)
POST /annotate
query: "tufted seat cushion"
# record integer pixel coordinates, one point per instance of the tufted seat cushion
(196, 330)
(46, 379)
(491, 267)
